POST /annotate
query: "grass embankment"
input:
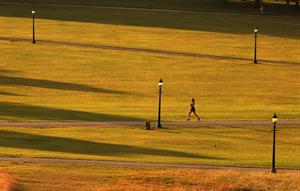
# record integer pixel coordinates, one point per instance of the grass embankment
(60, 83)
(70, 177)
(237, 146)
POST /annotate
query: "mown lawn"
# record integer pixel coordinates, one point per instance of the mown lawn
(70, 177)
(238, 146)
(272, 6)
(62, 83)
(67, 83)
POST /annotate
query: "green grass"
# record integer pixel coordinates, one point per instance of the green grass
(234, 146)
(61, 83)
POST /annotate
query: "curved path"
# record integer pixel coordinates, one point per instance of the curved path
(142, 50)
(131, 164)
(139, 164)
(139, 123)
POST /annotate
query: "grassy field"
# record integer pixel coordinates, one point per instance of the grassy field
(60, 83)
(198, 5)
(5, 182)
(235, 146)
(67, 177)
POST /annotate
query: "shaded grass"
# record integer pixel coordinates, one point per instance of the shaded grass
(286, 27)
(48, 84)
(271, 6)
(32, 112)
(9, 94)
(55, 177)
(83, 147)
(233, 146)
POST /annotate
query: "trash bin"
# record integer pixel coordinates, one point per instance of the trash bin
(148, 125)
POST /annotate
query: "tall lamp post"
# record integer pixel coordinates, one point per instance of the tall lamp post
(33, 27)
(160, 83)
(255, 44)
(274, 120)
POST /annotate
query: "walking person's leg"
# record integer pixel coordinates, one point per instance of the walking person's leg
(189, 117)
(196, 115)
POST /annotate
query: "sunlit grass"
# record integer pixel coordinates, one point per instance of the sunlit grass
(236, 146)
(185, 32)
(70, 177)
(60, 83)
(125, 84)
(5, 182)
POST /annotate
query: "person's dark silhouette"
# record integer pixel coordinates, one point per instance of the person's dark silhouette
(193, 110)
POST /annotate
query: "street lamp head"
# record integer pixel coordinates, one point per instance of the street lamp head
(160, 83)
(33, 11)
(255, 29)
(274, 118)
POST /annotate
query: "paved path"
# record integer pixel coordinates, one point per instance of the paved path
(142, 50)
(131, 164)
(141, 124)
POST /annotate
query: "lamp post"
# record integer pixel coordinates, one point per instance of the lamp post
(160, 83)
(255, 44)
(274, 120)
(33, 27)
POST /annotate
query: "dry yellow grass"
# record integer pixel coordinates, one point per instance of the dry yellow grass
(79, 177)
(208, 180)
(5, 182)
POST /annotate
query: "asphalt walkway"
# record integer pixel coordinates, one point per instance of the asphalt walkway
(138, 164)
(131, 164)
(141, 124)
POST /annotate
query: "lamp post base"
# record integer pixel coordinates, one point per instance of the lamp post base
(255, 61)
(158, 125)
(273, 170)
(33, 42)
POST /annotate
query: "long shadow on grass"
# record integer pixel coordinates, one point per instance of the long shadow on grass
(13, 139)
(32, 112)
(7, 71)
(50, 84)
(223, 23)
(9, 94)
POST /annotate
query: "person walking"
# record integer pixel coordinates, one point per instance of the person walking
(193, 110)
